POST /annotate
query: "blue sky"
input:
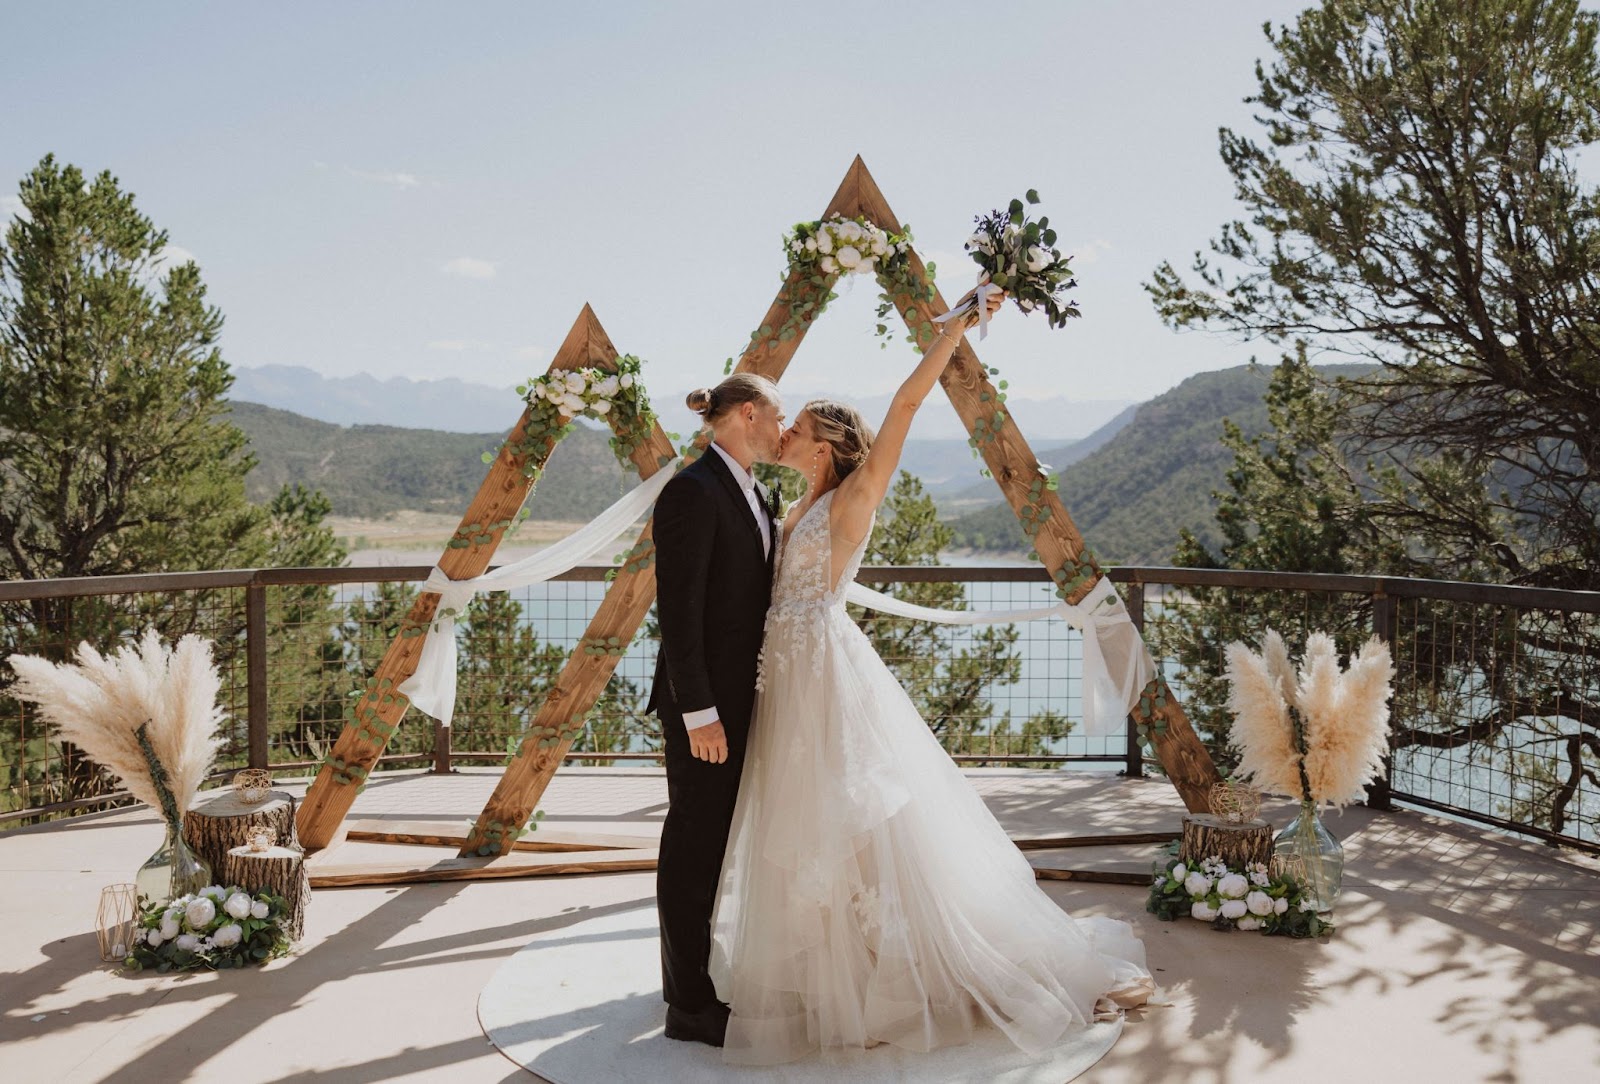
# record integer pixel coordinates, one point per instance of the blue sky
(424, 190)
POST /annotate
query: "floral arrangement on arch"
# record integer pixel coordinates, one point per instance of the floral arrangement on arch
(1255, 898)
(215, 928)
(556, 399)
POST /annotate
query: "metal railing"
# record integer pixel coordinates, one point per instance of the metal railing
(1495, 716)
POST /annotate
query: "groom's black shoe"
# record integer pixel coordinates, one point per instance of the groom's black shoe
(707, 1026)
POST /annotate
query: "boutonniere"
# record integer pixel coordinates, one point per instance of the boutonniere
(776, 504)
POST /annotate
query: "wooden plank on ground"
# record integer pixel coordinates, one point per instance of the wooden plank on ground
(1094, 876)
(1123, 839)
(428, 834)
(326, 873)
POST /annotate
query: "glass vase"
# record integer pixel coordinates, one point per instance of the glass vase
(172, 871)
(1318, 851)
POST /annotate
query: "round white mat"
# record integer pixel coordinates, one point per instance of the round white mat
(584, 1006)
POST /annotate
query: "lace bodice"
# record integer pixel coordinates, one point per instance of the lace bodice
(804, 593)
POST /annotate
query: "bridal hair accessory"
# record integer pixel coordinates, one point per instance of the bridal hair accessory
(1018, 255)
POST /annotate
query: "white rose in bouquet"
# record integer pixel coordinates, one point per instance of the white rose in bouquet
(188, 942)
(215, 892)
(1232, 886)
(880, 246)
(811, 244)
(1202, 910)
(259, 910)
(169, 927)
(1197, 884)
(571, 406)
(1259, 903)
(608, 387)
(154, 939)
(848, 258)
(1179, 873)
(575, 381)
(200, 912)
(824, 242)
(228, 936)
(238, 905)
(1279, 906)
(1232, 909)
(626, 380)
(1038, 258)
(827, 265)
(600, 406)
(1248, 923)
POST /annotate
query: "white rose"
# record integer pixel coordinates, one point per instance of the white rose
(216, 892)
(200, 912)
(600, 406)
(824, 242)
(1197, 884)
(227, 936)
(1232, 885)
(155, 939)
(1279, 906)
(1179, 872)
(1202, 910)
(238, 905)
(1233, 908)
(1259, 903)
(169, 928)
(626, 380)
(977, 240)
(608, 387)
(811, 244)
(1260, 878)
(827, 265)
(259, 910)
(188, 942)
(1037, 258)
(849, 258)
(1248, 923)
(880, 247)
(868, 267)
(575, 381)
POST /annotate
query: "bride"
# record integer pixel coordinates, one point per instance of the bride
(867, 895)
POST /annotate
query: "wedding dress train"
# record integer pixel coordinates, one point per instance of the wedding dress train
(867, 893)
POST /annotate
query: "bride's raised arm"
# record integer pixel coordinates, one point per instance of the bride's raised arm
(863, 491)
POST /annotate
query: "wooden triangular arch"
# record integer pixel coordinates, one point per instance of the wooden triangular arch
(965, 380)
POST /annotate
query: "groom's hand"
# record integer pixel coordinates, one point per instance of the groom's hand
(709, 743)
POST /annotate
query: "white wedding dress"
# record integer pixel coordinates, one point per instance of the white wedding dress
(867, 893)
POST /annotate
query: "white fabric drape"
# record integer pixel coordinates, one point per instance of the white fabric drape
(432, 688)
(1116, 667)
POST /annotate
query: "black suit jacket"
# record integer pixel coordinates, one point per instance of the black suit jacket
(713, 585)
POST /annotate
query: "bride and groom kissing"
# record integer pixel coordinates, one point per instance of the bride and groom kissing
(827, 877)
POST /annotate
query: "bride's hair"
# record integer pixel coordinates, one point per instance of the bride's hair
(846, 432)
(738, 389)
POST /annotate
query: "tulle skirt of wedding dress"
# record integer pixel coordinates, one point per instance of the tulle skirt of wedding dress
(867, 893)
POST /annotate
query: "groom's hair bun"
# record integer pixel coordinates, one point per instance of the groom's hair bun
(738, 389)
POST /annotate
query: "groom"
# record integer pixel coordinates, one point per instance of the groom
(715, 533)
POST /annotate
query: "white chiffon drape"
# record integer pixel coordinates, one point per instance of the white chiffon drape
(867, 893)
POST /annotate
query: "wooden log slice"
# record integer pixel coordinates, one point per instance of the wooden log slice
(1238, 845)
(222, 822)
(279, 870)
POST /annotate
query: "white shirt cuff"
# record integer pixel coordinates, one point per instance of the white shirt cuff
(694, 720)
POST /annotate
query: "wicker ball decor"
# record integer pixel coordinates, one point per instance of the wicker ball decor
(252, 784)
(1236, 803)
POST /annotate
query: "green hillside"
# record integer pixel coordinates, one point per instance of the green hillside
(1132, 496)
(372, 470)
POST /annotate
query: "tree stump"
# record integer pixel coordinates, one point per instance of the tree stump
(1237, 844)
(279, 870)
(222, 822)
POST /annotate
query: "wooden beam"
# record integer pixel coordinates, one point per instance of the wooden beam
(1123, 839)
(425, 834)
(377, 713)
(1096, 876)
(330, 871)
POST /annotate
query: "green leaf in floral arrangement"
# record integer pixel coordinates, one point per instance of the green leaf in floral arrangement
(1050, 239)
(1033, 195)
(1015, 209)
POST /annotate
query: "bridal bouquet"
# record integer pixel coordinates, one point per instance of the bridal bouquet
(1019, 256)
(215, 928)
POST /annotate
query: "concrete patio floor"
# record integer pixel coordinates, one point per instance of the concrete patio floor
(1461, 955)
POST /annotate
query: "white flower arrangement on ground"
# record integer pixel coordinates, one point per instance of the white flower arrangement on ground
(1253, 898)
(215, 928)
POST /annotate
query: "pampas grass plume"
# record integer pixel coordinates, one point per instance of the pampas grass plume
(1348, 736)
(1261, 728)
(100, 703)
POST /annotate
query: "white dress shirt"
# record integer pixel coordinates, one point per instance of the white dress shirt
(693, 720)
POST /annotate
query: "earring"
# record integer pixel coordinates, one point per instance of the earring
(816, 466)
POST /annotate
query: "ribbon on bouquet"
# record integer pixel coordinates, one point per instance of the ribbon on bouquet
(980, 299)
(1116, 666)
(432, 688)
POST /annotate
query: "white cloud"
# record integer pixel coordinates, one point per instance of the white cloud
(176, 256)
(456, 346)
(395, 178)
(469, 268)
(1086, 252)
(531, 353)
